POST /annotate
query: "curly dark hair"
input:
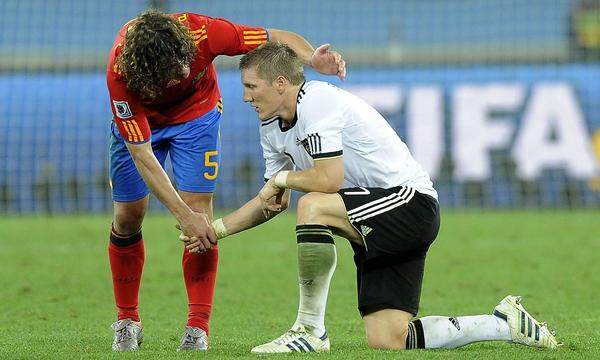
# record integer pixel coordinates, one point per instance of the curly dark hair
(156, 48)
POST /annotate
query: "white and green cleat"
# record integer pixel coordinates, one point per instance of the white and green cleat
(128, 335)
(524, 328)
(297, 339)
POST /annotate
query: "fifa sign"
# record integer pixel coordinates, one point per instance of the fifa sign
(541, 124)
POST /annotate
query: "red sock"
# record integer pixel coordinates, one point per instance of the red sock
(126, 255)
(200, 273)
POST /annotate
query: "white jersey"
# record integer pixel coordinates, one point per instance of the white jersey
(331, 122)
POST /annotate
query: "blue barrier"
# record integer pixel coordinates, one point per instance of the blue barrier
(53, 139)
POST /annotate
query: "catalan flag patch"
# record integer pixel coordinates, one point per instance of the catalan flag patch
(199, 34)
(255, 37)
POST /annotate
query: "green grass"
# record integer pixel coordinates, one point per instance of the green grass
(56, 295)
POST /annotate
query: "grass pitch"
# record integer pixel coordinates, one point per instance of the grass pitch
(56, 296)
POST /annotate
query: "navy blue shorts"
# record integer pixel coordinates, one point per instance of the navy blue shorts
(195, 152)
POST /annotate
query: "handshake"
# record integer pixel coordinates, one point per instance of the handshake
(198, 234)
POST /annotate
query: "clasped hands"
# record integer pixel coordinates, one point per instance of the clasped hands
(197, 233)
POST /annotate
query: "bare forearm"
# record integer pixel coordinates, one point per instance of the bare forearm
(251, 215)
(327, 176)
(311, 180)
(246, 217)
(294, 41)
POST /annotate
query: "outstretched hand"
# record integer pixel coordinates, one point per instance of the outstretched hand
(328, 62)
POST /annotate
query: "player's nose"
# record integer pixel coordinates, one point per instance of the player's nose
(246, 97)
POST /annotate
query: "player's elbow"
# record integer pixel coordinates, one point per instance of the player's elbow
(330, 188)
(280, 36)
(332, 184)
(324, 186)
(274, 34)
(141, 152)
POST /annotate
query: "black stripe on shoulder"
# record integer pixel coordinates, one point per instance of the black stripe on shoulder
(268, 122)
(327, 155)
(300, 93)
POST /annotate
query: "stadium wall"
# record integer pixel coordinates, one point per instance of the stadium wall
(491, 136)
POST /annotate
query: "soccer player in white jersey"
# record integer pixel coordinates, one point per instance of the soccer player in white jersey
(361, 183)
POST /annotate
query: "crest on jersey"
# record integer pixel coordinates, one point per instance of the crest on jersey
(122, 109)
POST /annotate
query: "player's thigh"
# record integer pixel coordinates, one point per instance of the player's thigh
(199, 202)
(387, 328)
(326, 209)
(195, 154)
(128, 216)
(127, 185)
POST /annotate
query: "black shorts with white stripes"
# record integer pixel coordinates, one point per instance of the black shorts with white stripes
(397, 226)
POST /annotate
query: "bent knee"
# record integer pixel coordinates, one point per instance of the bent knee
(128, 219)
(309, 208)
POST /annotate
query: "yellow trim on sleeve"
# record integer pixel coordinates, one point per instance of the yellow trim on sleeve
(256, 37)
(130, 131)
(254, 32)
(255, 42)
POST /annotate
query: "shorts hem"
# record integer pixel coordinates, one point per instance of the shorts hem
(362, 237)
(130, 198)
(197, 189)
(371, 308)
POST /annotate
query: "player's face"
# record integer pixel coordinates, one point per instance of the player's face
(261, 94)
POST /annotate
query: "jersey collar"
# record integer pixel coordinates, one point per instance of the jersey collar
(301, 93)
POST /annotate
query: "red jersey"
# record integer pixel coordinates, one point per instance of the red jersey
(190, 98)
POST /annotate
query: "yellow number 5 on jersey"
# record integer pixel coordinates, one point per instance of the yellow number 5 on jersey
(209, 163)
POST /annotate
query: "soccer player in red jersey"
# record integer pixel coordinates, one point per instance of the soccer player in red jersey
(165, 100)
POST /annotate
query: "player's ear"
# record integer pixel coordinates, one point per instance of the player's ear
(281, 83)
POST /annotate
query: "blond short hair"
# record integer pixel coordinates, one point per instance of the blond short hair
(272, 60)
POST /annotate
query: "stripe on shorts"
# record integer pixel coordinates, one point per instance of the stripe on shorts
(382, 205)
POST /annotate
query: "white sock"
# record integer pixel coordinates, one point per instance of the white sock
(441, 332)
(317, 258)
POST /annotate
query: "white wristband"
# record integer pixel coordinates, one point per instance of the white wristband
(281, 179)
(219, 227)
